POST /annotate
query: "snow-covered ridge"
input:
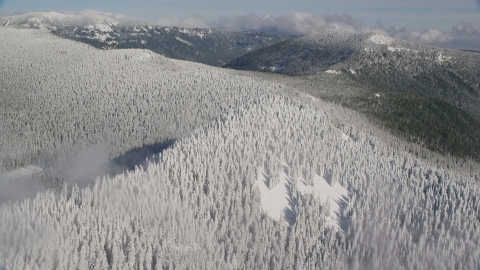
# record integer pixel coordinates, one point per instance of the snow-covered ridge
(201, 33)
(52, 20)
(214, 47)
(380, 39)
(398, 49)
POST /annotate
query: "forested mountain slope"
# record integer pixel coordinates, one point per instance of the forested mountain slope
(59, 98)
(376, 61)
(208, 46)
(225, 144)
(198, 205)
(424, 94)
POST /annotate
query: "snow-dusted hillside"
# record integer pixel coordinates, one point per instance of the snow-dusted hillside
(376, 61)
(198, 205)
(209, 46)
(421, 93)
(257, 176)
(60, 96)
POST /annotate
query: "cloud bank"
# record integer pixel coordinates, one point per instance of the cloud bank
(192, 21)
(430, 36)
(467, 29)
(95, 12)
(291, 23)
(304, 23)
(465, 35)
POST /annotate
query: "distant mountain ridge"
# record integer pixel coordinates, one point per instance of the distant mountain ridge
(378, 61)
(208, 46)
(425, 94)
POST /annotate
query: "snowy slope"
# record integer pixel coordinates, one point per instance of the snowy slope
(61, 97)
(376, 61)
(199, 204)
(214, 198)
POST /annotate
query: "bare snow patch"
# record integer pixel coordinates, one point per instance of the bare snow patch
(103, 27)
(278, 202)
(380, 39)
(398, 49)
(194, 32)
(332, 71)
(329, 195)
(276, 67)
(345, 137)
(184, 41)
(441, 58)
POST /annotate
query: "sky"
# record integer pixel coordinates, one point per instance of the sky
(446, 23)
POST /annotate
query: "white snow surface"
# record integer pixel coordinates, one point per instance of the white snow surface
(397, 49)
(184, 41)
(277, 201)
(274, 201)
(345, 137)
(46, 19)
(195, 32)
(441, 58)
(332, 71)
(275, 68)
(380, 39)
(328, 195)
(142, 56)
(103, 27)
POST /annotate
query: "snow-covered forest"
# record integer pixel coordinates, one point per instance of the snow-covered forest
(60, 97)
(198, 203)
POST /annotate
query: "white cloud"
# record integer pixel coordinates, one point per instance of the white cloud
(467, 28)
(193, 21)
(293, 22)
(306, 23)
(347, 19)
(430, 36)
(94, 12)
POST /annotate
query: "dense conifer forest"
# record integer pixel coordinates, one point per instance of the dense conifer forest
(218, 145)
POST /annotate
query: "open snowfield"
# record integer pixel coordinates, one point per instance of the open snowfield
(279, 202)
